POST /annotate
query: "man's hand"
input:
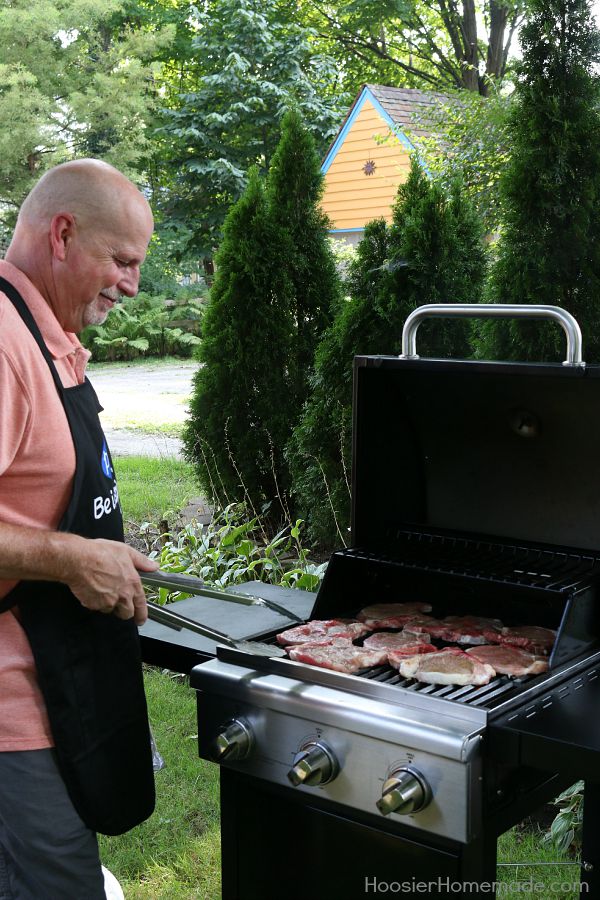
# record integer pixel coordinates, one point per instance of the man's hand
(104, 576)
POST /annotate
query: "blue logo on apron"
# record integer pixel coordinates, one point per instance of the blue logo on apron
(106, 466)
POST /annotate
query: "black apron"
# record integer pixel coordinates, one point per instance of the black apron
(89, 663)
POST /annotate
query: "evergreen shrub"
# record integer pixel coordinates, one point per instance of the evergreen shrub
(549, 249)
(275, 290)
(432, 253)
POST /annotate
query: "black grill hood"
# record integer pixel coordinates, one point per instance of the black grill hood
(492, 449)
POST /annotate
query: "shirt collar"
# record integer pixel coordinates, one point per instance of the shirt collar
(60, 343)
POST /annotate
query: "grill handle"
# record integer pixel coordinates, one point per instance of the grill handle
(567, 322)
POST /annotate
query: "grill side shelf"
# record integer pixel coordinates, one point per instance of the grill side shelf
(559, 731)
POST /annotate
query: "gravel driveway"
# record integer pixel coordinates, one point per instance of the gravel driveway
(140, 400)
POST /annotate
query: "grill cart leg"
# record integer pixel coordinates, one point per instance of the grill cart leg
(590, 850)
(479, 859)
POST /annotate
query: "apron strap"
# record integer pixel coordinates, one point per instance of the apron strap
(17, 300)
(23, 310)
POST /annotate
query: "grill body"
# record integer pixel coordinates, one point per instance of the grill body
(474, 489)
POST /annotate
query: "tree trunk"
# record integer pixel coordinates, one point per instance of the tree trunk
(470, 64)
(496, 57)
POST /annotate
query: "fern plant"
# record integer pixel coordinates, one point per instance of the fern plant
(146, 325)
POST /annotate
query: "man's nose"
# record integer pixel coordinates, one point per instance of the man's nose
(129, 282)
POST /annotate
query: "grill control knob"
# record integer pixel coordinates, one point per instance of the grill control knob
(404, 792)
(314, 764)
(234, 742)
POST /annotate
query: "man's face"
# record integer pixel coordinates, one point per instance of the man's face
(102, 265)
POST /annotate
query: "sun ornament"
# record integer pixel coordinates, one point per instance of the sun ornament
(369, 167)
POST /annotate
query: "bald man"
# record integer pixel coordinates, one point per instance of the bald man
(74, 742)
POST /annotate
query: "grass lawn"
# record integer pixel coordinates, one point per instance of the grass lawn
(151, 488)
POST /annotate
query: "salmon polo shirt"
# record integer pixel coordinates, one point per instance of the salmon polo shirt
(37, 466)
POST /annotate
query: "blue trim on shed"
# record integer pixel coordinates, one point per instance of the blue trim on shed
(344, 230)
(366, 93)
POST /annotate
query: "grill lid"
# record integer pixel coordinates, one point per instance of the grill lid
(497, 449)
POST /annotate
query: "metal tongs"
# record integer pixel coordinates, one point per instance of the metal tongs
(187, 583)
(164, 616)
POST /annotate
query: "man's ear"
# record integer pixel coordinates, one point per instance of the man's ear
(62, 228)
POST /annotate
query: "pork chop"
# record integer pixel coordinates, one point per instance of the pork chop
(530, 637)
(466, 629)
(449, 666)
(399, 645)
(323, 631)
(391, 615)
(394, 640)
(507, 660)
(339, 655)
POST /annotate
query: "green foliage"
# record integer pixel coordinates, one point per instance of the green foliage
(239, 416)
(75, 81)
(432, 253)
(461, 134)
(566, 829)
(146, 325)
(416, 43)
(295, 188)
(275, 289)
(246, 65)
(549, 250)
(234, 549)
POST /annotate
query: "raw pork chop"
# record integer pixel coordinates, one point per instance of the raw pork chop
(507, 660)
(466, 629)
(530, 637)
(391, 615)
(323, 631)
(450, 666)
(339, 655)
(394, 640)
(399, 645)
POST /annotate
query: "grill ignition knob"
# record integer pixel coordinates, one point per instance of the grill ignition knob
(404, 792)
(314, 764)
(234, 742)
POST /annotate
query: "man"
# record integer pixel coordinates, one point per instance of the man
(74, 745)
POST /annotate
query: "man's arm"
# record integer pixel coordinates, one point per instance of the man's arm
(102, 574)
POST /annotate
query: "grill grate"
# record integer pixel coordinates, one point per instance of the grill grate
(472, 694)
(555, 570)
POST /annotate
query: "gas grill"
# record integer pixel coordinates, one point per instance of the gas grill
(474, 489)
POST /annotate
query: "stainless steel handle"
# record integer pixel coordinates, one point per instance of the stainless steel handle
(567, 322)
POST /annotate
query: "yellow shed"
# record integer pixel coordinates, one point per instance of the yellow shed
(370, 158)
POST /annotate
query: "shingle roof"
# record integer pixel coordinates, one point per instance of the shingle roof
(405, 105)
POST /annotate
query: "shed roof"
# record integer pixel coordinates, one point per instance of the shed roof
(403, 105)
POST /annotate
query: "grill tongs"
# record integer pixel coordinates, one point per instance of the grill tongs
(165, 616)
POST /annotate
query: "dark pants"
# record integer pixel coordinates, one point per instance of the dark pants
(46, 851)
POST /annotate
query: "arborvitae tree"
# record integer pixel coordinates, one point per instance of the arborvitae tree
(549, 250)
(432, 253)
(319, 453)
(274, 293)
(239, 416)
(295, 187)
